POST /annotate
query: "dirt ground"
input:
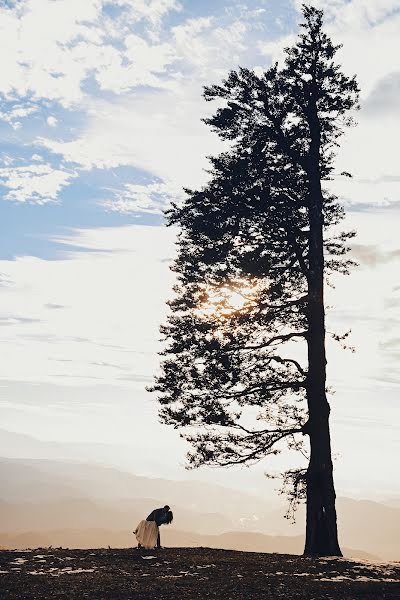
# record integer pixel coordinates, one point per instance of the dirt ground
(189, 574)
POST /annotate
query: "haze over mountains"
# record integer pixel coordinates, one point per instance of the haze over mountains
(65, 503)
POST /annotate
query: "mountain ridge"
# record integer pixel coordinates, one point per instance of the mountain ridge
(47, 495)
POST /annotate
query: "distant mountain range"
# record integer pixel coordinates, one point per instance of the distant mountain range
(170, 537)
(60, 503)
(36, 480)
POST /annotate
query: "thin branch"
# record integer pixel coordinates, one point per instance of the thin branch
(250, 433)
(268, 388)
(255, 454)
(282, 338)
(283, 306)
(291, 361)
(298, 252)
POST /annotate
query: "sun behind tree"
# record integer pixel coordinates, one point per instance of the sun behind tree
(263, 217)
(224, 301)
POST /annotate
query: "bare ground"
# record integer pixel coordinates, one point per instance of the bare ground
(189, 574)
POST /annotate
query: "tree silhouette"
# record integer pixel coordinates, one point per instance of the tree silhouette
(244, 367)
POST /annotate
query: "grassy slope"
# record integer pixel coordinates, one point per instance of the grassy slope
(189, 574)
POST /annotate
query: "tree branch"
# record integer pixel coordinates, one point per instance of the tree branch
(260, 452)
(298, 251)
(267, 387)
(282, 338)
(291, 361)
(250, 433)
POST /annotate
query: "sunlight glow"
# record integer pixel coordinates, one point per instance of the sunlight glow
(229, 300)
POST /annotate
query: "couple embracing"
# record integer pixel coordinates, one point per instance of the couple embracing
(148, 533)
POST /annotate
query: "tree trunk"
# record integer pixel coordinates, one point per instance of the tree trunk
(321, 528)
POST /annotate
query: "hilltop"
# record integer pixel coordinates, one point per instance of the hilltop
(190, 574)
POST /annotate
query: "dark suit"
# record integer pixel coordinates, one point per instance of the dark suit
(159, 515)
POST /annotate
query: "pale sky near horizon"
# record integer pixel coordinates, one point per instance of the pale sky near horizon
(100, 128)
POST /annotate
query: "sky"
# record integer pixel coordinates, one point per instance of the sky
(100, 122)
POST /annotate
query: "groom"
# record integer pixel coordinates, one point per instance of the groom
(160, 516)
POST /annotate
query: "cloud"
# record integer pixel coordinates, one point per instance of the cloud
(275, 49)
(151, 10)
(391, 344)
(39, 59)
(137, 82)
(53, 306)
(4, 280)
(361, 190)
(51, 121)
(360, 302)
(53, 62)
(103, 363)
(206, 50)
(122, 273)
(105, 345)
(16, 320)
(392, 302)
(37, 183)
(356, 13)
(156, 130)
(140, 64)
(159, 133)
(115, 299)
(17, 112)
(151, 198)
(384, 97)
(372, 255)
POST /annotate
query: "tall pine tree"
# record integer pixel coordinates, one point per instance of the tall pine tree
(244, 368)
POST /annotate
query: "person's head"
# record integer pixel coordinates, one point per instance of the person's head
(166, 508)
(169, 517)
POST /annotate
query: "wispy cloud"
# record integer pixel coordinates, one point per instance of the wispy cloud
(384, 98)
(372, 255)
(53, 306)
(115, 299)
(10, 320)
(150, 198)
